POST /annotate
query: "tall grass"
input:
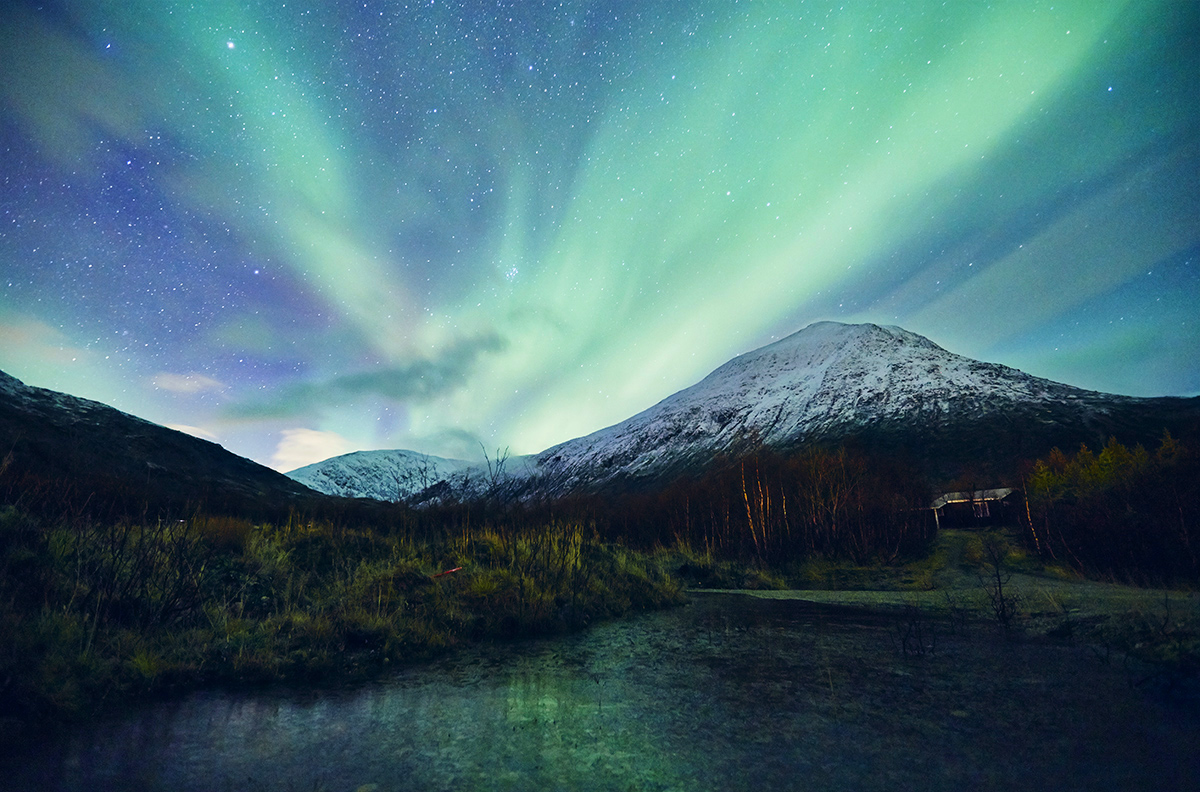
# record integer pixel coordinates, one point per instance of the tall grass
(94, 612)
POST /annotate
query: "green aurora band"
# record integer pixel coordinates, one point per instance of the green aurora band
(438, 227)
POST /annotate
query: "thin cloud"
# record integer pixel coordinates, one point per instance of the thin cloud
(300, 447)
(34, 340)
(185, 383)
(194, 431)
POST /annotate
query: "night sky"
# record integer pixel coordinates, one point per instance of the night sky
(302, 229)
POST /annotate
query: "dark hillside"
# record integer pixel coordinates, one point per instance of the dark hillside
(62, 451)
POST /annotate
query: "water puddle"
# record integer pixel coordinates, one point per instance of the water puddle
(727, 693)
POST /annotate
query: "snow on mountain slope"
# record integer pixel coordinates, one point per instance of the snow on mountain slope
(34, 400)
(827, 382)
(382, 475)
(822, 381)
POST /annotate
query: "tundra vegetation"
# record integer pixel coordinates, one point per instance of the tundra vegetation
(99, 603)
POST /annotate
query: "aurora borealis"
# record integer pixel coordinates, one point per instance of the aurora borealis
(305, 229)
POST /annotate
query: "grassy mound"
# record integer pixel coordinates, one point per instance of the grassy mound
(99, 613)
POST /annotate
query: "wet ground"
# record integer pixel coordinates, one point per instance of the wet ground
(729, 693)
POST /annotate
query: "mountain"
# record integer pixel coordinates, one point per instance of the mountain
(382, 475)
(883, 388)
(886, 387)
(70, 452)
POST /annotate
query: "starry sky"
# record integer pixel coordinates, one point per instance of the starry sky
(307, 228)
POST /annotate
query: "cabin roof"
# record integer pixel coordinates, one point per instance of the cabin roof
(999, 493)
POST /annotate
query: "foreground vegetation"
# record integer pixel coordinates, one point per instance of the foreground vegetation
(97, 606)
(102, 606)
(97, 612)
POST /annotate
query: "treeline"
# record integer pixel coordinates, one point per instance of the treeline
(1123, 513)
(775, 511)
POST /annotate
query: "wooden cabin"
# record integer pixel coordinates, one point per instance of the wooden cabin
(977, 509)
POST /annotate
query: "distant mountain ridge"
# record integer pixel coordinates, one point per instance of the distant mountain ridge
(382, 475)
(882, 387)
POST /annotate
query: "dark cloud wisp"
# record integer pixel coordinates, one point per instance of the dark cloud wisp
(416, 380)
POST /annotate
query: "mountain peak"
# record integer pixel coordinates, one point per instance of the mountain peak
(822, 340)
(827, 381)
(889, 388)
(800, 367)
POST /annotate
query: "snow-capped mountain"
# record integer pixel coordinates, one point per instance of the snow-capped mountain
(885, 388)
(826, 381)
(382, 475)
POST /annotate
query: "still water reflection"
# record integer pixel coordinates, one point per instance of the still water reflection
(728, 693)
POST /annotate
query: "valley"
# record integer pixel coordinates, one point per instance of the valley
(728, 691)
(600, 396)
(784, 503)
